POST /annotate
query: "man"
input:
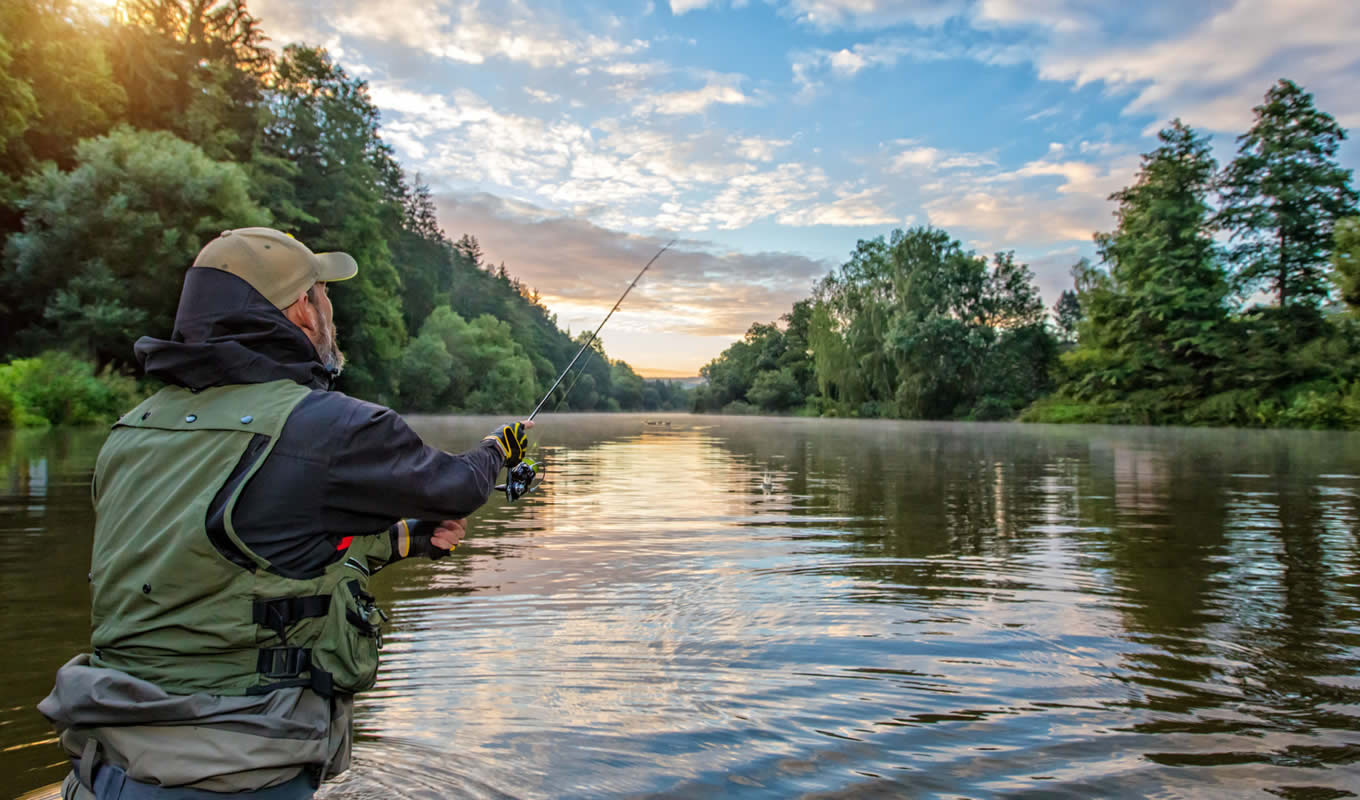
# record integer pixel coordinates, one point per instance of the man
(239, 515)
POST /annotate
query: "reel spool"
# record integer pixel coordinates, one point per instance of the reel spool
(521, 480)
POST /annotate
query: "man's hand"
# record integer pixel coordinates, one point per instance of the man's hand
(513, 440)
(449, 533)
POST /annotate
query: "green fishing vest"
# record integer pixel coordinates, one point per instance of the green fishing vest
(195, 612)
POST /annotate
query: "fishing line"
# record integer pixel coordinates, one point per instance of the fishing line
(596, 332)
(519, 481)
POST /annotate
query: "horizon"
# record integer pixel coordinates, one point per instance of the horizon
(573, 139)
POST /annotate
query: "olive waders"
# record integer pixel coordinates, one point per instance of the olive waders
(212, 671)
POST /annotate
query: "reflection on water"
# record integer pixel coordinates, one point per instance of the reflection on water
(780, 607)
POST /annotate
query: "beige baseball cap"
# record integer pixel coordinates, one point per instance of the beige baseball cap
(279, 267)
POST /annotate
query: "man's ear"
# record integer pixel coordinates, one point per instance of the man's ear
(304, 315)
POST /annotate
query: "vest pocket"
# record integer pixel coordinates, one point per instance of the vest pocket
(348, 647)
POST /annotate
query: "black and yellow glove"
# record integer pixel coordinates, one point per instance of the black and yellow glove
(412, 537)
(512, 440)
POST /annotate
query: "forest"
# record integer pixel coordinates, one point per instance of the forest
(126, 143)
(1223, 296)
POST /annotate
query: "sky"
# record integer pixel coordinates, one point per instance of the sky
(573, 138)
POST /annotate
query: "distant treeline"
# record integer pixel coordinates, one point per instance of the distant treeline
(1222, 297)
(128, 143)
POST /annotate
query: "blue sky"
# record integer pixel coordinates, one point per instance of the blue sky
(574, 138)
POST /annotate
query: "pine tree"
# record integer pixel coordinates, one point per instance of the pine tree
(1283, 194)
(1155, 319)
(1067, 314)
(1346, 260)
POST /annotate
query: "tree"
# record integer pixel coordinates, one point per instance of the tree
(102, 255)
(425, 256)
(1157, 316)
(56, 87)
(196, 68)
(627, 386)
(1067, 315)
(797, 355)
(424, 373)
(487, 371)
(325, 125)
(776, 390)
(1346, 260)
(1283, 194)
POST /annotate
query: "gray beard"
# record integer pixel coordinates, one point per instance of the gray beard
(329, 349)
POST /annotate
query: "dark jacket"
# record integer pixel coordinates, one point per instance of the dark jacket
(342, 467)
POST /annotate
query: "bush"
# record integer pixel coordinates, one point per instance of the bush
(740, 408)
(7, 406)
(1060, 410)
(991, 409)
(58, 388)
(1322, 410)
(871, 409)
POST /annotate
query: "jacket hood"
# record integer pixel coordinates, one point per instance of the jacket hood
(228, 333)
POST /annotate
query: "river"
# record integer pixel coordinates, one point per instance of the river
(767, 608)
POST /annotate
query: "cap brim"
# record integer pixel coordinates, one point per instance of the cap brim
(336, 267)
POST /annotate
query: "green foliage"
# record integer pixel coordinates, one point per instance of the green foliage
(913, 326)
(918, 327)
(476, 365)
(770, 369)
(1067, 316)
(196, 69)
(776, 390)
(58, 388)
(326, 127)
(56, 87)
(104, 246)
(100, 222)
(1283, 194)
(1056, 409)
(1156, 322)
(424, 373)
(1346, 260)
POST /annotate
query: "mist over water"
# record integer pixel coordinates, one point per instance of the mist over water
(745, 607)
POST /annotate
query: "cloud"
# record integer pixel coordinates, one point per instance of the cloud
(466, 32)
(916, 157)
(861, 14)
(679, 7)
(812, 67)
(697, 289)
(622, 174)
(851, 208)
(1207, 63)
(1212, 73)
(1060, 197)
(719, 90)
(540, 96)
(1053, 271)
(758, 148)
(1057, 15)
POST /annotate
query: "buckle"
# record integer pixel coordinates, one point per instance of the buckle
(284, 662)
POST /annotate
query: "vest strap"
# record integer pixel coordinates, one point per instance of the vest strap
(278, 614)
(287, 664)
(284, 662)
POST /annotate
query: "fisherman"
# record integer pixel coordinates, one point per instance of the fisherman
(240, 513)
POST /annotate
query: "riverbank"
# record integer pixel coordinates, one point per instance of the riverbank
(58, 388)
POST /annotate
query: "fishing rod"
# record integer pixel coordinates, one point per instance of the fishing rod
(520, 480)
(596, 332)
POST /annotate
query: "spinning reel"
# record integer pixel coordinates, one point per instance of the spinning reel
(521, 480)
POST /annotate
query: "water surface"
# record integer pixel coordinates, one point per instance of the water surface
(781, 608)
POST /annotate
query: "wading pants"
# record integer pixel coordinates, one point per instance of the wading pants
(111, 783)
